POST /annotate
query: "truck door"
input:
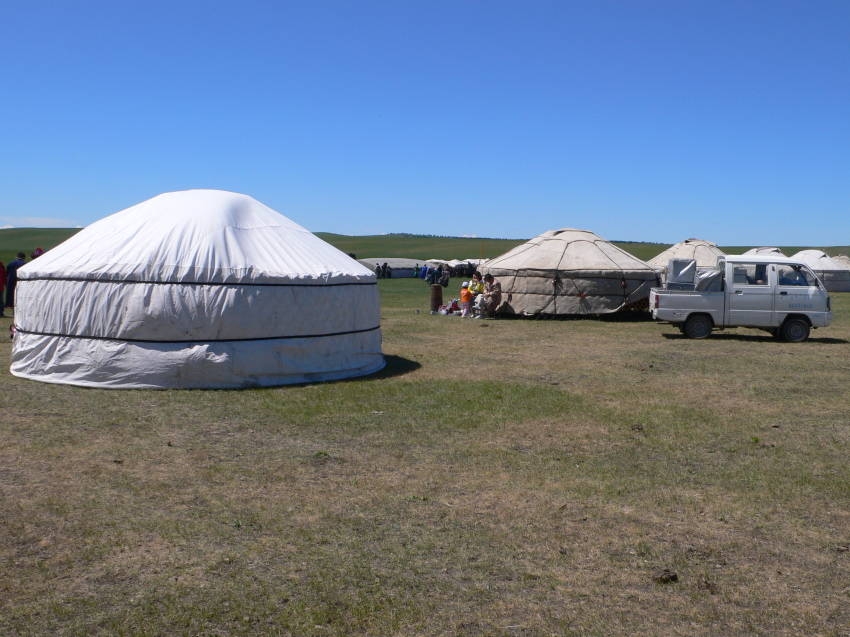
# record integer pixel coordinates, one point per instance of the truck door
(750, 294)
(796, 291)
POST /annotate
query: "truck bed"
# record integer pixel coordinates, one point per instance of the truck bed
(686, 302)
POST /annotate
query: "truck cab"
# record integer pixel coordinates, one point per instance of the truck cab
(776, 294)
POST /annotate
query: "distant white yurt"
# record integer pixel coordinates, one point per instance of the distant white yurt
(705, 253)
(193, 289)
(842, 259)
(569, 271)
(401, 268)
(835, 277)
(766, 252)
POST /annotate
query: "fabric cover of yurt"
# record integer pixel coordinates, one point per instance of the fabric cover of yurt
(569, 271)
(201, 288)
(766, 252)
(705, 253)
(834, 276)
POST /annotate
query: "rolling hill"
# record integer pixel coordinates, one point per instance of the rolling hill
(13, 240)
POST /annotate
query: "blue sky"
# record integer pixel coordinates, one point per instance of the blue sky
(645, 121)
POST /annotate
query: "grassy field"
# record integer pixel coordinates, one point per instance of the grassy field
(510, 477)
(14, 240)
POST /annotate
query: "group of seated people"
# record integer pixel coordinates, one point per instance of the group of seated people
(483, 295)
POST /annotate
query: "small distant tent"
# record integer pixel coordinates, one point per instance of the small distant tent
(195, 289)
(766, 252)
(569, 271)
(705, 253)
(834, 276)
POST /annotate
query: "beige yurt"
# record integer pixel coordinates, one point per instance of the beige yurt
(569, 271)
(766, 252)
(705, 252)
(835, 276)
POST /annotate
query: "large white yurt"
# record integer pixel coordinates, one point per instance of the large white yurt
(569, 271)
(705, 253)
(834, 276)
(195, 289)
(766, 252)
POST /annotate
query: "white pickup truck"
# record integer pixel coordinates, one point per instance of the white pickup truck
(772, 293)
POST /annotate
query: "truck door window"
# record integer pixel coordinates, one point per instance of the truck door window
(751, 274)
(794, 275)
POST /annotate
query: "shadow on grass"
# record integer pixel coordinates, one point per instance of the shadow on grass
(396, 366)
(752, 338)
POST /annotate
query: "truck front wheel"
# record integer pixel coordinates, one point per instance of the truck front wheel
(795, 330)
(697, 326)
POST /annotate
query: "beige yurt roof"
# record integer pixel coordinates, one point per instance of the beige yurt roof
(705, 252)
(766, 251)
(570, 271)
(834, 275)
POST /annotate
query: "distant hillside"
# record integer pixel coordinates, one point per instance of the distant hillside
(26, 240)
(411, 246)
(418, 246)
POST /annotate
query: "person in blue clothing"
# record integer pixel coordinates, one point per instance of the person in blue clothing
(12, 278)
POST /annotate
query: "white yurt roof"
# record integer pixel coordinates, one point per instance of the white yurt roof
(834, 275)
(200, 288)
(766, 251)
(818, 260)
(705, 253)
(570, 271)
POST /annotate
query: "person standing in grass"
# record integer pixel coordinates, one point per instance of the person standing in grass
(12, 278)
(465, 299)
(2, 285)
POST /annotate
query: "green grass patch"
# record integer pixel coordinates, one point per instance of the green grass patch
(510, 477)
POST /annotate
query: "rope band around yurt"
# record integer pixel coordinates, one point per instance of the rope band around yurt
(215, 283)
(194, 341)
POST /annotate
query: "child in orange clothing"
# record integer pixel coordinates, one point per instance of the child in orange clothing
(465, 299)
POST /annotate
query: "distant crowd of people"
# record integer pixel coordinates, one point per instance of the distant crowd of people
(443, 272)
(383, 271)
(9, 278)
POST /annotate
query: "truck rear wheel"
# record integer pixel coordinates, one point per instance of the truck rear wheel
(795, 330)
(697, 326)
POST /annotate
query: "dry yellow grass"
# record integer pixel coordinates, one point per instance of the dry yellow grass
(500, 478)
